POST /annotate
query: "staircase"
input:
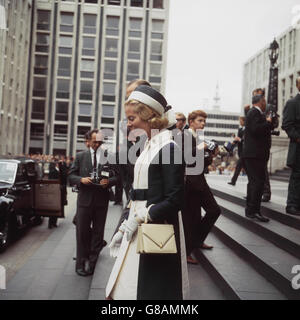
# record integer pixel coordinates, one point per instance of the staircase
(281, 175)
(251, 260)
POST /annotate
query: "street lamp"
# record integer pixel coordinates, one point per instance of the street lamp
(273, 79)
(274, 52)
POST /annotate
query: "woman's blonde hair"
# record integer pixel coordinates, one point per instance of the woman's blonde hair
(146, 113)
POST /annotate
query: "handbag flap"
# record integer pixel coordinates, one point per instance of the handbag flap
(159, 234)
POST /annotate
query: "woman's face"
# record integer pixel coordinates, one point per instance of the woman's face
(134, 121)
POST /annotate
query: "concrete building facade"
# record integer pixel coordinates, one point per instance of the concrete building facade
(220, 125)
(15, 33)
(256, 75)
(84, 54)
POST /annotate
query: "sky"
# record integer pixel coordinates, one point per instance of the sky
(210, 40)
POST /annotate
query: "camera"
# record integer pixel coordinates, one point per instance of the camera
(211, 147)
(272, 112)
(95, 176)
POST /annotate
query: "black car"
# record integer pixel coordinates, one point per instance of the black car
(25, 197)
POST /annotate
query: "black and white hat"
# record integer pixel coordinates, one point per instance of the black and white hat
(151, 98)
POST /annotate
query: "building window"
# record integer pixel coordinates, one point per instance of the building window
(66, 23)
(158, 4)
(38, 109)
(133, 70)
(81, 131)
(89, 45)
(65, 44)
(39, 87)
(136, 3)
(61, 113)
(109, 91)
(112, 25)
(87, 68)
(111, 48)
(64, 66)
(43, 18)
(37, 131)
(157, 29)
(60, 132)
(135, 27)
(85, 112)
(110, 70)
(41, 65)
(90, 21)
(86, 90)
(155, 72)
(134, 51)
(156, 51)
(114, 2)
(63, 89)
(108, 110)
(108, 114)
(42, 42)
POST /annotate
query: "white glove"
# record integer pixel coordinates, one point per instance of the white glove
(134, 221)
(131, 226)
(116, 241)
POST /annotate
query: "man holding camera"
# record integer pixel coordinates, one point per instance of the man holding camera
(256, 152)
(291, 124)
(197, 191)
(93, 175)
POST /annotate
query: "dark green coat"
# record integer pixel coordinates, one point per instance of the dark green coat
(291, 124)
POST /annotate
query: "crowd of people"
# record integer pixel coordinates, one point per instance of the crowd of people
(160, 189)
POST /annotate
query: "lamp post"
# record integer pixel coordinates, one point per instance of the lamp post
(273, 78)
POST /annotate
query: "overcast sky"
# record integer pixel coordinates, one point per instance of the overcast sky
(210, 40)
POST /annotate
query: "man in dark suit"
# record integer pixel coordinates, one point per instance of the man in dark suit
(291, 124)
(239, 141)
(256, 152)
(92, 203)
(197, 192)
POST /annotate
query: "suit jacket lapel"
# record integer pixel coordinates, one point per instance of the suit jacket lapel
(89, 163)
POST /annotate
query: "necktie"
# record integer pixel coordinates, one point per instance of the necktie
(95, 161)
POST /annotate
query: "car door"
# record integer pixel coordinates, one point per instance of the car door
(48, 198)
(22, 191)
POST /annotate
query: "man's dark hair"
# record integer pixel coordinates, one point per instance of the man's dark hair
(256, 92)
(92, 132)
(256, 98)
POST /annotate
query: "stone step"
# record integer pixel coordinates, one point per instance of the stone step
(272, 210)
(280, 178)
(234, 275)
(270, 261)
(283, 236)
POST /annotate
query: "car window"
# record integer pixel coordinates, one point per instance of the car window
(7, 172)
(21, 174)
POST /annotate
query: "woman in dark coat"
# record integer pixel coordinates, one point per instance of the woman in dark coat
(158, 195)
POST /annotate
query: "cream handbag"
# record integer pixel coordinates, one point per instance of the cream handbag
(156, 239)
